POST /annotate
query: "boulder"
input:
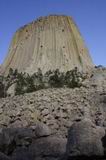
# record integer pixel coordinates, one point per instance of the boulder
(104, 144)
(10, 138)
(41, 130)
(24, 136)
(21, 153)
(7, 144)
(18, 124)
(84, 139)
(3, 157)
(48, 147)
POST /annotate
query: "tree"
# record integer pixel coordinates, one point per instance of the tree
(56, 79)
(30, 84)
(15, 73)
(2, 90)
(26, 83)
(73, 78)
(39, 80)
(20, 84)
(10, 72)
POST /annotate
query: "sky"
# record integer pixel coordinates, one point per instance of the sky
(89, 15)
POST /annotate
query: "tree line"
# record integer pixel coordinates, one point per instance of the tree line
(26, 83)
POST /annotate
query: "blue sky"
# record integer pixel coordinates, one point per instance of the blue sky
(90, 16)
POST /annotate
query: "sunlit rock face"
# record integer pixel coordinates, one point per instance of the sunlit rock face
(48, 43)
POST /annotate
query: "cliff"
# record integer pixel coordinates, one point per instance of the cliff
(48, 43)
(52, 123)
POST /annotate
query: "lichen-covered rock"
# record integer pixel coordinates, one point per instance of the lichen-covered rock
(84, 139)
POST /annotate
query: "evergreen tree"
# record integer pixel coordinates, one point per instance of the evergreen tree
(72, 78)
(26, 83)
(20, 84)
(56, 79)
(2, 90)
(30, 84)
(10, 72)
(39, 80)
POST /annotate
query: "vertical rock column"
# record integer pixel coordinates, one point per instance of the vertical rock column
(48, 43)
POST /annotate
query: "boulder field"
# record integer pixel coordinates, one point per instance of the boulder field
(56, 123)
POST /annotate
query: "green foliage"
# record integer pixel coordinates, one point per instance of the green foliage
(73, 78)
(38, 80)
(56, 79)
(10, 72)
(2, 93)
(15, 73)
(29, 83)
(26, 83)
(2, 87)
(20, 84)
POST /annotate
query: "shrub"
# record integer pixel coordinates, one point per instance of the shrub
(2, 90)
(38, 79)
(56, 79)
(73, 78)
(26, 83)
(30, 87)
(2, 87)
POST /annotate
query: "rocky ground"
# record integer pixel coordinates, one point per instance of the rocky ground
(35, 125)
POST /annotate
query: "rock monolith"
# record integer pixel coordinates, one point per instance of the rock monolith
(49, 43)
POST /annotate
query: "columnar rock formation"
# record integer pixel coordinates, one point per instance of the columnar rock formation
(54, 123)
(49, 43)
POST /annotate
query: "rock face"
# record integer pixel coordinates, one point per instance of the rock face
(84, 139)
(49, 43)
(26, 144)
(3, 157)
(48, 147)
(34, 125)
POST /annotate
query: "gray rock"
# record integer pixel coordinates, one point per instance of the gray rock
(3, 157)
(18, 124)
(84, 139)
(21, 153)
(24, 136)
(64, 106)
(45, 112)
(41, 130)
(7, 140)
(48, 147)
(10, 138)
